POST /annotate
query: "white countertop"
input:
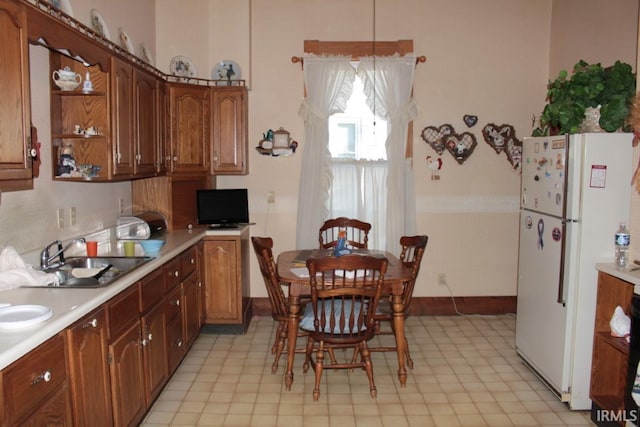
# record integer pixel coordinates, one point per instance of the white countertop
(70, 305)
(630, 274)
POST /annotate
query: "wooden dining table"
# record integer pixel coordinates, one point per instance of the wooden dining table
(299, 286)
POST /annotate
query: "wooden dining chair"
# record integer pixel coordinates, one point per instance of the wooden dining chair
(413, 248)
(357, 232)
(263, 247)
(345, 292)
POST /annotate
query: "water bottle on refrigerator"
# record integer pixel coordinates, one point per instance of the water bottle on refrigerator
(623, 239)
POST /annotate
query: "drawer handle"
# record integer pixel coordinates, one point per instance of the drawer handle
(193, 261)
(150, 336)
(45, 376)
(144, 342)
(175, 302)
(179, 343)
(91, 324)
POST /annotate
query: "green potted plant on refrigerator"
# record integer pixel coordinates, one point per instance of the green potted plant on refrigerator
(601, 95)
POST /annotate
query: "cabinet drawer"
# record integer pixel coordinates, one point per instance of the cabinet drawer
(188, 261)
(123, 310)
(33, 378)
(173, 273)
(151, 290)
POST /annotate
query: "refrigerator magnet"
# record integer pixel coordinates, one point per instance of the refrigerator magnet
(556, 234)
(598, 176)
(540, 234)
(529, 222)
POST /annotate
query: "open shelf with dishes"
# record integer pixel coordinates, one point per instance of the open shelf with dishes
(80, 124)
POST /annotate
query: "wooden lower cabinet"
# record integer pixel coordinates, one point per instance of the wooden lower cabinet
(35, 388)
(189, 290)
(127, 377)
(226, 282)
(610, 354)
(87, 350)
(154, 337)
(119, 357)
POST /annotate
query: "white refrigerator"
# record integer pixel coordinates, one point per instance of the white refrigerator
(575, 190)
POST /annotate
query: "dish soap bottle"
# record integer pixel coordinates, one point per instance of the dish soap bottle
(623, 239)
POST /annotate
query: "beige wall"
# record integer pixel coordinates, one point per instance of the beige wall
(580, 30)
(488, 58)
(473, 59)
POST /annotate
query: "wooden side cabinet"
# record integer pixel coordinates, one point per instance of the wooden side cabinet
(15, 155)
(610, 354)
(226, 282)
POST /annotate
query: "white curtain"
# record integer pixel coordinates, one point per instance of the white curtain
(364, 198)
(388, 86)
(328, 83)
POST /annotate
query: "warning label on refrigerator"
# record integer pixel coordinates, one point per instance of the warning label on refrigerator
(598, 176)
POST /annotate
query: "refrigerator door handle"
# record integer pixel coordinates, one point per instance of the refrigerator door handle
(562, 296)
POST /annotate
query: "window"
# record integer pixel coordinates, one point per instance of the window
(356, 134)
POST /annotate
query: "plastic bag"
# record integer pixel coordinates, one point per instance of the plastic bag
(620, 323)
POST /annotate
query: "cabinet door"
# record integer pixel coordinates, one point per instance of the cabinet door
(229, 112)
(56, 411)
(222, 290)
(175, 341)
(30, 383)
(190, 310)
(15, 162)
(122, 116)
(146, 121)
(190, 129)
(155, 351)
(127, 377)
(87, 350)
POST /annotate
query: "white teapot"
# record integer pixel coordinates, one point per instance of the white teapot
(66, 79)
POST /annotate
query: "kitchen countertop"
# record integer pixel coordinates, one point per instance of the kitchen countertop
(630, 274)
(70, 305)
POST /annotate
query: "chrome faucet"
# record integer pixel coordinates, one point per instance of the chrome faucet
(46, 259)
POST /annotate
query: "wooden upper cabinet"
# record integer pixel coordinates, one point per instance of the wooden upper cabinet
(122, 114)
(190, 129)
(229, 141)
(15, 160)
(147, 98)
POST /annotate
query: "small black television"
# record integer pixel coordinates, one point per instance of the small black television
(223, 208)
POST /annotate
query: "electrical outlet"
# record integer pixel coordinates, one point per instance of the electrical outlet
(121, 205)
(271, 197)
(72, 216)
(442, 279)
(60, 218)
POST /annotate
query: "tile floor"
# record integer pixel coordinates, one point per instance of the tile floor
(466, 373)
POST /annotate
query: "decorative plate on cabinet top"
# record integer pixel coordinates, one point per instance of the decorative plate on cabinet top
(98, 24)
(226, 70)
(125, 41)
(146, 54)
(183, 67)
(63, 5)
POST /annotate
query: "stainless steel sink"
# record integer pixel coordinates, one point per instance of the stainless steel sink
(119, 267)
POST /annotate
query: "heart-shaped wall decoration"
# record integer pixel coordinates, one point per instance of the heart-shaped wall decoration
(434, 136)
(470, 120)
(503, 138)
(498, 136)
(460, 146)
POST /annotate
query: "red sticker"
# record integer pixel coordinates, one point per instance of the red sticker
(556, 234)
